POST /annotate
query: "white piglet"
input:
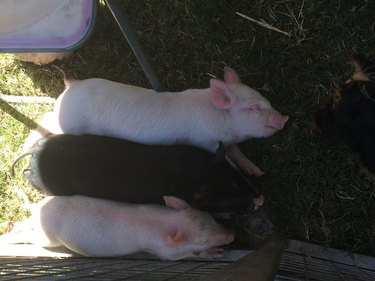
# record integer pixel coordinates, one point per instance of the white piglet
(228, 111)
(97, 227)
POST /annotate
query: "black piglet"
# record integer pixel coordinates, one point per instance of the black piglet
(115, 169)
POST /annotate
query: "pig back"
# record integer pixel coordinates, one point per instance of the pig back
(121, 170)
(116, 169)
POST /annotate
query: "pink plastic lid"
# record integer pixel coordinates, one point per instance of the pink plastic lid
(45, 26)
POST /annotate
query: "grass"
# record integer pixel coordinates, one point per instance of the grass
(316, 189)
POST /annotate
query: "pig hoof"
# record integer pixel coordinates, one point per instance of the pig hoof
(252, 170)
(242, 162)
(257, 172)
(211, 253)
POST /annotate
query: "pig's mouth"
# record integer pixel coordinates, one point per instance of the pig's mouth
(271, 128)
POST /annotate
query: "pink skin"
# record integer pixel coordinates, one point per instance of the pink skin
(97, 227)
(228, 111)
(264, 120)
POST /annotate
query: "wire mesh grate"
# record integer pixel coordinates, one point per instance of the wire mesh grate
(104, 269)
(300, 266)
(299, 261)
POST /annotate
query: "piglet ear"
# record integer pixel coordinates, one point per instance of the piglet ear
(220, 95)
(175, 239)
(175, 203)
(231, 76)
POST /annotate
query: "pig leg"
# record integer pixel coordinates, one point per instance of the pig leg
(211, 253)
(47, 125)
(236, 155)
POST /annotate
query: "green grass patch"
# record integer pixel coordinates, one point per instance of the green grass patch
(316, 189)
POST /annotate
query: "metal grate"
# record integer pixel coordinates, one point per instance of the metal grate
(104, 269)
(300, 261)
(301, 266)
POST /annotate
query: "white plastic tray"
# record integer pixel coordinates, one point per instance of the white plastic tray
(45, 25)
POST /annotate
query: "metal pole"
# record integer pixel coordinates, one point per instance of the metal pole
(133, 42)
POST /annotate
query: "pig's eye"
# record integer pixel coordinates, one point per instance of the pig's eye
(251, 110)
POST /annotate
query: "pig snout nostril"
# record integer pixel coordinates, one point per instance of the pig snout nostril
(280, 121)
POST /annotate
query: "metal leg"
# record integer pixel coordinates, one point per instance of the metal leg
(133, 42)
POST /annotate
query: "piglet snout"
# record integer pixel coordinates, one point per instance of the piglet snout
(230, 237)
(226, 236)
(277, 121)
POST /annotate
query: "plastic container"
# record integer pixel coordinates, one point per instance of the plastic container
(45, 25)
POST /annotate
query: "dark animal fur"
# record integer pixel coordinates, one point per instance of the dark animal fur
(350, 113)
(121, 170)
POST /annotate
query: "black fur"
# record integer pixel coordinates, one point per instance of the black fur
(350, 113)
(121, 170)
